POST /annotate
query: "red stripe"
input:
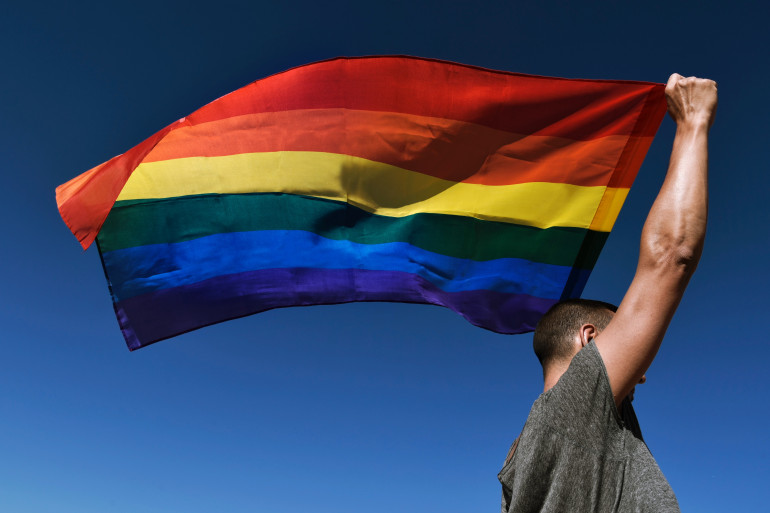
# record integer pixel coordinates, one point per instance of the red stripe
(522, 104)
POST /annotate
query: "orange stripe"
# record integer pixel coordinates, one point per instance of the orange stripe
(451, 150)
(636, 149)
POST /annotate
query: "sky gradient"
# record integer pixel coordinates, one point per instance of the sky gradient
(339, 408)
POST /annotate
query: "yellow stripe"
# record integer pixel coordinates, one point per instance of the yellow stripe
(609, 208)
(375, 187)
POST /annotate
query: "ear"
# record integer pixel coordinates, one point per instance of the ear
(587, 333)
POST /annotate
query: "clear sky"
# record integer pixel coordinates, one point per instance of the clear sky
(382, 407)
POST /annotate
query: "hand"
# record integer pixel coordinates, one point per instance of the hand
(691, 100)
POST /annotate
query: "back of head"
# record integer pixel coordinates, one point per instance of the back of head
(556, 330)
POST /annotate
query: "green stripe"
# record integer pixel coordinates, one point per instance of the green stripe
(140, 222)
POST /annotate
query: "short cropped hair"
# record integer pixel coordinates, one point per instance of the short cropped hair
(556, 329)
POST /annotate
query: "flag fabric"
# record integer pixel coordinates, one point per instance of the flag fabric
(367, 179)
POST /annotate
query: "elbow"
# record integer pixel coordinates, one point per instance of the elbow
(678, 257)
(687, 257)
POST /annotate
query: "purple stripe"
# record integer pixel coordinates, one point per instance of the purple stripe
(165, 313)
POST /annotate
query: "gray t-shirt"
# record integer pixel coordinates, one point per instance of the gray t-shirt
(577, 453)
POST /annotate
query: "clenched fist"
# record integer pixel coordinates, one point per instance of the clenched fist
(691, 100)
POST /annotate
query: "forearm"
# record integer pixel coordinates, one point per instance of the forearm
(673, 235)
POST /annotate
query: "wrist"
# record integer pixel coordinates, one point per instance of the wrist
(693, 124)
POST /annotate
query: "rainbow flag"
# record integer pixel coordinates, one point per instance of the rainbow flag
(367, 179)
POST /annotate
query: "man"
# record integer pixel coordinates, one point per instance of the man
(581, 449)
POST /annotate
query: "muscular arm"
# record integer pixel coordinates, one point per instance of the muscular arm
(671, 244)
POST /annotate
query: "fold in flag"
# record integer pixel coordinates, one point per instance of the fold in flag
(367, 179)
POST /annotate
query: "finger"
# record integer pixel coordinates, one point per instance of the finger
(672, 80)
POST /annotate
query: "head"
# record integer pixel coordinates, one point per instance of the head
(557, 331)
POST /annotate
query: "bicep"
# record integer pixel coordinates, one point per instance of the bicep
(630, 342)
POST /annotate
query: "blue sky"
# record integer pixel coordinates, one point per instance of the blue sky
(377, 406)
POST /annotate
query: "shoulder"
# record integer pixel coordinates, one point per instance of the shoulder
(582, 399)
(586, 372)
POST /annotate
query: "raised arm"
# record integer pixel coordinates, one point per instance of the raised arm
(672, 241)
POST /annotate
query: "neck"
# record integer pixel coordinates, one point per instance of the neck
(553, 372)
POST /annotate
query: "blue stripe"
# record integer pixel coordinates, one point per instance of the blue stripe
(143, 269)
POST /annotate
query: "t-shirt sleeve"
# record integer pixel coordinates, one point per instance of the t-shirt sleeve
(581, 404)
(574, 453)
